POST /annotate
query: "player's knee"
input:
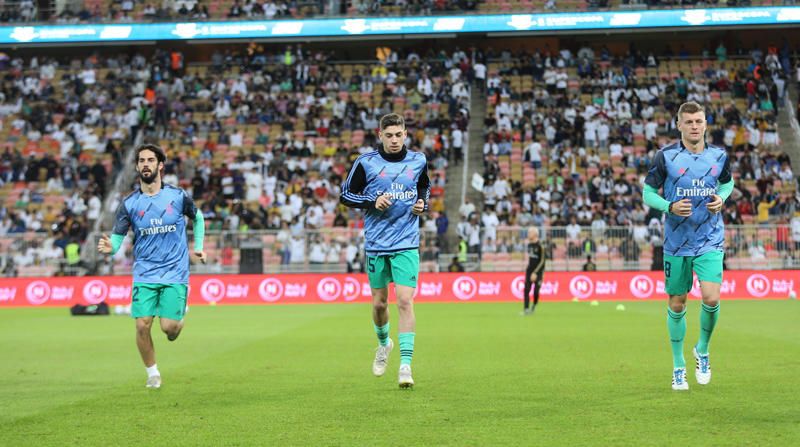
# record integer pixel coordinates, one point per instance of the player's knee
(143, 326)
(380, 305)
(711, 300)
(405, 304)
(677, 303)
(169, 327)
(677, 307)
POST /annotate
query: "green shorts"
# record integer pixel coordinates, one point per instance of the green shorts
(678, 271)
(400, 268)
(163, 300)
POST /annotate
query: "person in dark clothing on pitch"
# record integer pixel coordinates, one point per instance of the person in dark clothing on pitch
(535, 270)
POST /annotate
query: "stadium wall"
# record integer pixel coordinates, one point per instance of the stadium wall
(346, 288)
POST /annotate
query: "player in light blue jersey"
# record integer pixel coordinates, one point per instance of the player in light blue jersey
(696, 181)
(391, 185)
(157, 215)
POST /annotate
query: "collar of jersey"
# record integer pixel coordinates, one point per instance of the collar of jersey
(400, 156)
(705, 148)
(148, 195)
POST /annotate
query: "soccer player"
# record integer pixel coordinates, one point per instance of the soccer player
(535, 270)
(156, 213)
(391, 184)
(696, 181)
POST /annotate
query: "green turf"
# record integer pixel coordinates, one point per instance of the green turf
(301, 375)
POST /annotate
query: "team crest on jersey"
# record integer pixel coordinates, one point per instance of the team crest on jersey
(682, 171)
(169, 208)
(141, 213)
(410, 173)
(713, 169)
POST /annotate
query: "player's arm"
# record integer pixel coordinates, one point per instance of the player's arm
(724, 188)
(655, 179)
(423, 192)
(353, 189)
(191, 211)
(654, 200)
(122, 223)
(653, 182)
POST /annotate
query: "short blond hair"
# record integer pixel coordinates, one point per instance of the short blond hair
(690, 107)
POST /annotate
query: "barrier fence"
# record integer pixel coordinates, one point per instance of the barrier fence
(432, 287)
(331, 250)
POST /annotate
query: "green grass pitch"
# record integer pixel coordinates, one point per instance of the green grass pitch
(301, 375)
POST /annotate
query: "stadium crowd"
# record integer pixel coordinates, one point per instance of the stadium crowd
(261, 140)
(569, 140)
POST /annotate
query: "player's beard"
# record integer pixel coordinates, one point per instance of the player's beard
(149, 179)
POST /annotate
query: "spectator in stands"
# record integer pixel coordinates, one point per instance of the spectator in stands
(795, 227)
(442, 224)
(573, 236)
(472, 233)
(355, 265)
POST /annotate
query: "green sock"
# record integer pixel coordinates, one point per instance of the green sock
(708, 319)
(406, 347)
(676, 324)
(383, 333)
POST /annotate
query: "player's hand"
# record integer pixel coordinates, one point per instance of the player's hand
(199, 256)
(715, 205)
(534, 276)
(383, 202)
(682, 208)
(418, 207)
(104, 245)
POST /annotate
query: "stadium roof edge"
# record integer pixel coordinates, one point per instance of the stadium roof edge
(404, 27)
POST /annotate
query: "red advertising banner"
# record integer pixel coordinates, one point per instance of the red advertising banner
(433, 287)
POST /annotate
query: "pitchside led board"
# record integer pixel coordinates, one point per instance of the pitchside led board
(433, 287)
(405, 26)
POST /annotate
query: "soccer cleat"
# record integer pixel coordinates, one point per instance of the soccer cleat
(404, 377)
(382, 358)
(154, 382)
(702, 370)
(679, 382)
(526, 312)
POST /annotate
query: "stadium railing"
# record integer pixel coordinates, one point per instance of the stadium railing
(612, 249)
(761, 247)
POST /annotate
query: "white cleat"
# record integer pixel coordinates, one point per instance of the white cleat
(702, 370)
(154, 382)
(404, 377)
(382, 359)
(679, 382)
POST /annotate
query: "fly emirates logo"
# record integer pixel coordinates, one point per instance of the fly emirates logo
(698, 189)
(157, 227)
(398, 192)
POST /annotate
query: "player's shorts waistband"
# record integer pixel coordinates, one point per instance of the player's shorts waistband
(389, 252)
